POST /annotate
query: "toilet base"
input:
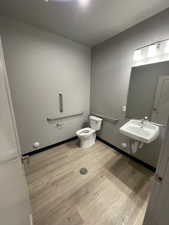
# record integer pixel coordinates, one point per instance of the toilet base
(87, 143)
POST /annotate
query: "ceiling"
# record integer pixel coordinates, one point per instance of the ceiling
(98, 21)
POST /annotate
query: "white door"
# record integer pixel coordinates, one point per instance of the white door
(158, 209)
(161, 105)
(14, 198)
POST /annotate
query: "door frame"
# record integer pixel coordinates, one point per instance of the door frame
(159, 184)
(157, 94)
(7, 87)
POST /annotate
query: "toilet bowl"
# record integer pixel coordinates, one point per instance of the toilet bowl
(87, 136)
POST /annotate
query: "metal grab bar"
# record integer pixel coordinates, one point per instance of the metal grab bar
(114, 120)
(60, 102)
(64, 117)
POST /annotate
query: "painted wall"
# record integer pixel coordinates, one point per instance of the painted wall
(111, 67)
(39, 66)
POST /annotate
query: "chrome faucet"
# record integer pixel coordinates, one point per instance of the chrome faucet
(143, 121)
(146, 119)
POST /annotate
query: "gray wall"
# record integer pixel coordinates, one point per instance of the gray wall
(111, 67)
(39, 65)
(142, 89)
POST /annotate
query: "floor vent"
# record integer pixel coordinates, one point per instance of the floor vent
(83, 171)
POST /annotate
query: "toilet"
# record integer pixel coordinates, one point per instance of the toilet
(87, 136)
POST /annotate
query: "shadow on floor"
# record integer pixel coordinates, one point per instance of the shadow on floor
(132, 174)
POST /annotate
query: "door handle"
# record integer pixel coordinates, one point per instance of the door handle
(60, 102)
(158, 178)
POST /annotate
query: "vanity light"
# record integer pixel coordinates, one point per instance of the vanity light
(84, 3)
(152, 51)
(166, 50)
(137, 55)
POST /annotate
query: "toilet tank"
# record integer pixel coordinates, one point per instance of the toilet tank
(95, 122)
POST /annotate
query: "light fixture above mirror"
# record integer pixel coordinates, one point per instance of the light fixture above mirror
(82, 3)
(156, 52)
(138, 55)
(152, 51)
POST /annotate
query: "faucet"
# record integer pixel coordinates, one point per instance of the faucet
(146, 119)
(143, 121)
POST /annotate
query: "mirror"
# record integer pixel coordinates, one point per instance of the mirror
(149, 92)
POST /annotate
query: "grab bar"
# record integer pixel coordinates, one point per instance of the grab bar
(64, 117)
(114, 120)
(60, 102)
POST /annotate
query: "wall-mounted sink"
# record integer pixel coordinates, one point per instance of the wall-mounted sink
(143, 131)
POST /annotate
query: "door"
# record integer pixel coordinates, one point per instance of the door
(158, 209)
(161, 104)
(14, 198)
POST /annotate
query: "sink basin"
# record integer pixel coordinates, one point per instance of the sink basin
(146, 132)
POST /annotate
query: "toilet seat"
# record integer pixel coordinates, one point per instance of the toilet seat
(85, 132)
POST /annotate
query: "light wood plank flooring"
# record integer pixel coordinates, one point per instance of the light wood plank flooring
(114, 192)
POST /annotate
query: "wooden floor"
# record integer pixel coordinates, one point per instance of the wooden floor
(114, 192)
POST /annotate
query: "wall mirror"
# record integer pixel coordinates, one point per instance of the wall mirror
(148, 93)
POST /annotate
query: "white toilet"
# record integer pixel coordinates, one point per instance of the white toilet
(87, 135)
